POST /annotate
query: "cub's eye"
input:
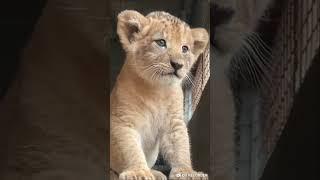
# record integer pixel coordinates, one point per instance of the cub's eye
(161, 43)
(185, 49)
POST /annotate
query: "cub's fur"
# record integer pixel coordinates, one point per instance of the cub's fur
(147, 100)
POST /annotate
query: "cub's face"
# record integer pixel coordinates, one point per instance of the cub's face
(160, 47)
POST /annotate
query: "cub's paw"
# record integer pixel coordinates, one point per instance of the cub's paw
(158, 175)
(187, 174)
(137, 174)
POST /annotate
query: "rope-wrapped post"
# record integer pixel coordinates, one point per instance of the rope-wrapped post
(201, 77)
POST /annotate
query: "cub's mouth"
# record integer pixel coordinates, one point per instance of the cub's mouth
(173, 74)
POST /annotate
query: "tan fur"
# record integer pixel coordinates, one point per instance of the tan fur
(147, 100)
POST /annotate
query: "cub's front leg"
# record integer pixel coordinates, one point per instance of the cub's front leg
(175, 148)
(126, 154)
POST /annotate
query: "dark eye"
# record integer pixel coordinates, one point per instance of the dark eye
(185, 49)
(161, 42)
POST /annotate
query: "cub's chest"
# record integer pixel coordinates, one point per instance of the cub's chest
(159, 109)
(158, 112)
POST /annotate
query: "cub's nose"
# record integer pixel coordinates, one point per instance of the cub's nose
(176, 66)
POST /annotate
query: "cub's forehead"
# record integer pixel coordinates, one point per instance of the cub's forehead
(168, 25)
(166, 18)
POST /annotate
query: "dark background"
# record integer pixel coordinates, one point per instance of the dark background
(297, 153)
(17, 22)
(296, 156)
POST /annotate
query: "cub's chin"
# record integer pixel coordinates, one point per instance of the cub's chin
(168, 79)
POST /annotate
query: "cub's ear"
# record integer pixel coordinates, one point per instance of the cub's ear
(201, 38)
(129, 24)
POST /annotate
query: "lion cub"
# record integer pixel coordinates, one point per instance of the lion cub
(147, 100)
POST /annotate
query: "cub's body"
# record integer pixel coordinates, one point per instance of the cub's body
(147, 100)
(151, 114)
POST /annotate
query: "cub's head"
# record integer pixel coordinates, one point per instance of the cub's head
(160, 47)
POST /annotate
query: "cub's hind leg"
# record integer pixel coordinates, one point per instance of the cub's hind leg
(176, 151)
(157, 175)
